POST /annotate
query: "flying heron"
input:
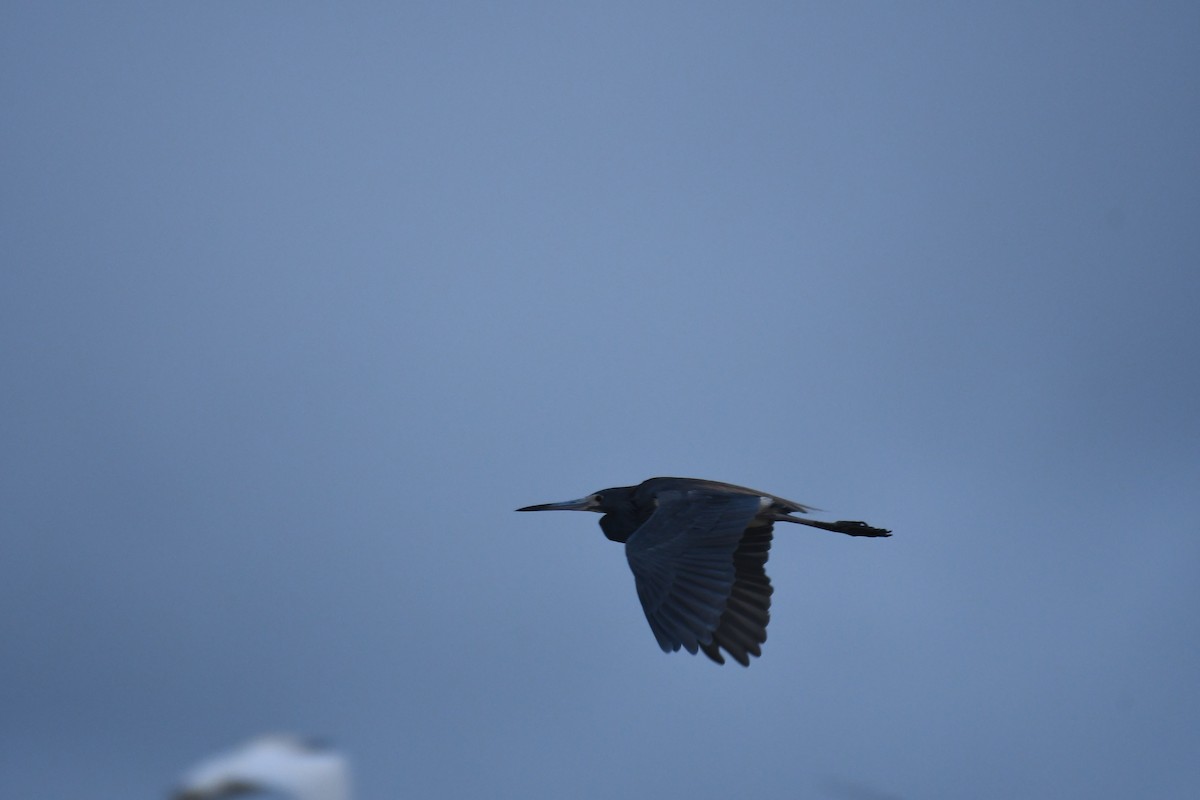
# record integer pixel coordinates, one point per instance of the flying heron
(698, 550)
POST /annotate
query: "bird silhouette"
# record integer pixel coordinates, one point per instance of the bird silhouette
(289, 765)
(698, 550)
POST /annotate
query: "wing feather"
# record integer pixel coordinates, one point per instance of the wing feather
(684, 562)
(743, 626)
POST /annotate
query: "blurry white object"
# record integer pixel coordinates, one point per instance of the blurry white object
(279, 763)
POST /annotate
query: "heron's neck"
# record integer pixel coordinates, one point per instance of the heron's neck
(619, 525)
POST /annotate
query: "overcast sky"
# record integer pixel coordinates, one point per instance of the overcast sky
(299, 302)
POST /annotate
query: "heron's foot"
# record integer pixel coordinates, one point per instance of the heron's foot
(853, 527)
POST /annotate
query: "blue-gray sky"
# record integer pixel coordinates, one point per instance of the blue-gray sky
(299, 302)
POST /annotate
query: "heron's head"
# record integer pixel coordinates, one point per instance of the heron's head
(604, 501)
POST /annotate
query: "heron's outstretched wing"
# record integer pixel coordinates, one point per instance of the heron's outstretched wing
(683, 562)
(743, 627)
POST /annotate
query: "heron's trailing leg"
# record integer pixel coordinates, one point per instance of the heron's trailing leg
(846, 526)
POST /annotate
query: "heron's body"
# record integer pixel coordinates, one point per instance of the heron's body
(698, 550)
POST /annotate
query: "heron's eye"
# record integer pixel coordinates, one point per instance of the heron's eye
(598, 498)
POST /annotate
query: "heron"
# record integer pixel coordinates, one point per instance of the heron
(292, 766)
(698, 550)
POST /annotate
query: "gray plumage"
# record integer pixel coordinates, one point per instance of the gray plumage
(698, 551)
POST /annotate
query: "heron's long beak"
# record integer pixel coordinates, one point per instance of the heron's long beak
(582, 504)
